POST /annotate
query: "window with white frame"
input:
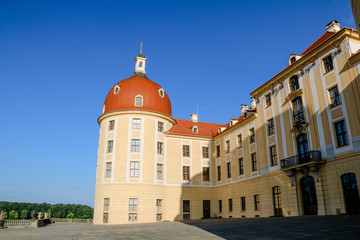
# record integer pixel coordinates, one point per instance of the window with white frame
(273, 156)
(206, 174)
(186, 173)
(227, 144)
(116, 89)
(239, 141)
(186, 151)
(133, 204)
(160, 148)
(138, 101)
(252, 135)
(159, 205)
(110, 146)
(268, 100)
(334, 96)
(108, 170)
(205, 152)
(253, 162)
(160, 126)
(271, 127)
(135, 145)
(134, 169)
(328, 64)
(159, 171)
(136, 122)
(106, 204)
(111, 125)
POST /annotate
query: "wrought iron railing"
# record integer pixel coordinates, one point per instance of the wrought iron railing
(300, 159)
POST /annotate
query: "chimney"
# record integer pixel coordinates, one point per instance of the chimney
(253, 103)
(194, 118)
(334, 26)
(244, 108)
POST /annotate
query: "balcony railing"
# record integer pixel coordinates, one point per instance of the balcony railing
(310, 156)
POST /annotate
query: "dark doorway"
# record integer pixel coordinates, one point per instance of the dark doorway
(206, 208)
(277, 201)
(351, 193)
(303, 148)
(309, 195)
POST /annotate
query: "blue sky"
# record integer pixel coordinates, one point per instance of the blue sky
(59, 59)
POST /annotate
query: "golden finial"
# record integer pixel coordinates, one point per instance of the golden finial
(141, 48)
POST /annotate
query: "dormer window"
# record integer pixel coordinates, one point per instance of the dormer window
(294, 83)
(292, 60)
(161, 92)
(195, 130)
(139, 101)
(116, 89)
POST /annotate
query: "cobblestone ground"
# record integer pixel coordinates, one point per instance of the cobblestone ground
(313, 227)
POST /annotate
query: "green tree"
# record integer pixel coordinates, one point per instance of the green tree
(70, 215)
(13, 214)
(24, 214)
(5, 216)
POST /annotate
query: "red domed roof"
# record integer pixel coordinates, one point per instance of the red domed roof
(124, 99)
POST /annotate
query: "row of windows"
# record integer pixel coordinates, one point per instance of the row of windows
(133, 208)
(134, 169)
(136, 124)
(135, 146)
(256, 199)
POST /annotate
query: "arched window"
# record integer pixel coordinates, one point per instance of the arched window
(138, 101)
(294, 83)
(292, 60)
(140, 64)
(116, 89)
(161, 92)
(195, 130)
(298, 110)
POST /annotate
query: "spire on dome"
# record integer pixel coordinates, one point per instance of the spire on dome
(140, 64)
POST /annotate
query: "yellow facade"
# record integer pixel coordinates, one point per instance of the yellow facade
(277, 169)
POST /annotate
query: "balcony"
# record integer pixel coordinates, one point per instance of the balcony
(301, 159)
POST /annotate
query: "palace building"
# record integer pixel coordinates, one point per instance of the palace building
(295, 151)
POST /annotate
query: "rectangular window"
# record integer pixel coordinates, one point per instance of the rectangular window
(159, 205)
(268, 100)
(186, 206)
(256, 202)
(158, 217)
(243, 204)
(134, 169)
(228, 166)
(227, 143)
(111, 125)
(110, 146)
(186, 151)
(138, 101)
(271, 127)
(253, 162)
(132, 217)
(159, 171)
(341, 134)
(205, 152)
(135, 145)
(186, 173)
(334, 97)
(108, 169)
(252, 135)
(105, 217)
(160, 148)
(298, 110)
(219, 173)
(160, 126)
(239, 141)
(241, 166)
(136, 123)
(206, 174)
(230, 205)
(273, 156)
(328, 64)
(218, 151)
(133, 204)
(106, 204)
(220, 205)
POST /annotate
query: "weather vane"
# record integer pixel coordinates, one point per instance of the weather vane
(141, 48)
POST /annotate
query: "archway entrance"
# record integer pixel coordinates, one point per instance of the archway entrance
(308, 191)
(351, 193)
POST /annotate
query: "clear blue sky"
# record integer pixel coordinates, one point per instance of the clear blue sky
(59, 59)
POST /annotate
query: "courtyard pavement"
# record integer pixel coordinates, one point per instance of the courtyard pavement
(307, 227)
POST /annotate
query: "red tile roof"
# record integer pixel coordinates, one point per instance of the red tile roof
(322, 39)
(184, 127)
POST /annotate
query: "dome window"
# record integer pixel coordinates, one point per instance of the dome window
(116, 89)
(139, 101)
(195, 130)
(161, 92)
